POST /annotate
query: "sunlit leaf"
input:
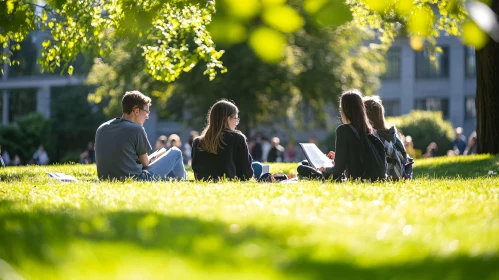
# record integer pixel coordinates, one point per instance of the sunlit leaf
(268, 44)
(473, 36)
(44, 16)
(334, 13)
(242, 9)
(10, 6)
(70, 70)
(273, 2)
(312, 6)
(404, 7)
(417, 43)
(377, 5)
(421, 21)
(227, 31)
(283, 18)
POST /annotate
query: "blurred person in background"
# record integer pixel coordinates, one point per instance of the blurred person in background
(276, 153)
(161, 142)
(472, 144)
(266, 146)
(290, 153)
(2, 163)
(6, 156)
(431, 150)
(17, 160)
(409, 146)
(459, 141)
(188, 147)
(256, 151)
(91, 152)
(40, 156)
(173, 141)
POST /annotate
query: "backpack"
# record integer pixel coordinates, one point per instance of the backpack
(395, 167)
(373, 157)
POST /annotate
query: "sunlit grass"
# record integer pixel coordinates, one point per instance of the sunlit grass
(426, 228)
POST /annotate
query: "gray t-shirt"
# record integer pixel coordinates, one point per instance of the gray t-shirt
(118, 145)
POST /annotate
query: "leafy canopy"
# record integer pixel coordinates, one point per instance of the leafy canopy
(173, 36)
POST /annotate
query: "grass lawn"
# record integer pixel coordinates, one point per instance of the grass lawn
(442, 225)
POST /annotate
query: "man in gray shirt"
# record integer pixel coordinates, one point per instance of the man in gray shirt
(121, 146)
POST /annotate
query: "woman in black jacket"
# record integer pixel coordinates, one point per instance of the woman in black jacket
(221, 151)
(347, 158)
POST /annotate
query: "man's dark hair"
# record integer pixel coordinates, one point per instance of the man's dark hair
(134, 99)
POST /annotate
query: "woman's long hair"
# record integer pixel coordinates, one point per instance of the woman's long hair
(352, 107)
(212, 136)
(375, 112)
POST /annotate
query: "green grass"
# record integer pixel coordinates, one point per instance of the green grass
(442, 225)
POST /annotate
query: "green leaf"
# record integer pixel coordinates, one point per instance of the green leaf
(473, 35)
(10, 6)
(421, 21)
(70, 70)
(312, 6)
(273, 2)
(227, 31)
(268, 44)
(404, 7)
(283, 18)
(241, 9)
(334, 13)
(377, 5)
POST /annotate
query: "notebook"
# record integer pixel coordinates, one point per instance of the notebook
(315, 156)
(61, 177)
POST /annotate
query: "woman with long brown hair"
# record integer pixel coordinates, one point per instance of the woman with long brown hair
(221, 151)
(347, 158)
(396, 155)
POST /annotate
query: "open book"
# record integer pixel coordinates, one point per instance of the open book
(315, 156)
(156, 155)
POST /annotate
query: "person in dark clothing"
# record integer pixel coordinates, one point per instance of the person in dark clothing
(396, 155)
(2, 164)
(459, 142)
(257, 149)
(221, 151)
(347, 158)
(276, 153)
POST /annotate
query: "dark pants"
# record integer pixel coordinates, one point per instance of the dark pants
(306, 171)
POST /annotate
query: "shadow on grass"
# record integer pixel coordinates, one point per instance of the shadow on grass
(34, 235)
(458, 167)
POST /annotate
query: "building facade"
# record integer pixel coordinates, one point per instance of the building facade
(412, 81)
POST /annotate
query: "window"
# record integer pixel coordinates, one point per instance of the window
(470, 62)
(392, 107)
(426, 69)
(434, 104)
(469, 108)
(392, 64)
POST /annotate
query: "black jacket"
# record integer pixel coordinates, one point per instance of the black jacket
(231, 161)
(347, 160)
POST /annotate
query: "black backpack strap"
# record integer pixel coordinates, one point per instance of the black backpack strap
(354, 130)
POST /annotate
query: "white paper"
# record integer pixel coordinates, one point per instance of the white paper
(315, 156)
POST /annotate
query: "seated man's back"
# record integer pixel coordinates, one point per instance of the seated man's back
(118, 144)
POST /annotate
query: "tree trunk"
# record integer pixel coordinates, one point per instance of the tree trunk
(487, 94)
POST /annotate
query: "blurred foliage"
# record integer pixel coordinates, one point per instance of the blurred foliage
(425, 127)
(74, 122)
(318, 64)
(25, 135)
(174, 36)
